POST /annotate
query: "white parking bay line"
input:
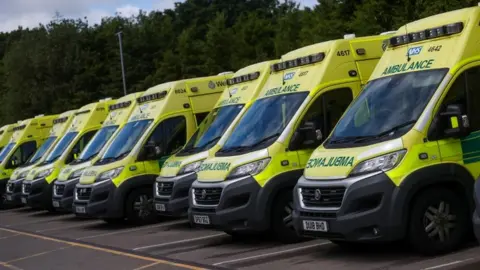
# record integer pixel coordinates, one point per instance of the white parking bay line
(273, 253)
(177, 222)
(181, 241)
(38, 221)
(70, 227)
(447, 264)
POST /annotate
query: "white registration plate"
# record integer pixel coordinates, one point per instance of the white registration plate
(9, 197)
(24, 200)
(56, 204)
(205, 220)
(314, 225)
(80, 209)
(160, 207)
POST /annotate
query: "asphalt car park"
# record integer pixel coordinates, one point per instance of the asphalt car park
(40, 240)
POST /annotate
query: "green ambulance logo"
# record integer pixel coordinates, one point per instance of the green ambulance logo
(410, 66)
(330, 162)
(172, 164)
(282, 90)
(218, 166)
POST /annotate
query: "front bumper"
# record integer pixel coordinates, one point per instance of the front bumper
(227, 205)
(37, 193)
(63, 194)
(13, 194)
(353, 209)
(171, 194)
(97, 200)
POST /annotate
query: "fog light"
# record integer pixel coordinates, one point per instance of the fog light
(376, 231)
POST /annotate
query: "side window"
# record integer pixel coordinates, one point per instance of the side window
(324, 114)
(22, 154)
(200, 116)
(473, 94)
(170, 135)
(80, 145)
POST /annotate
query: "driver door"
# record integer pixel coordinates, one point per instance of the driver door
(167, 138)
(324, 112)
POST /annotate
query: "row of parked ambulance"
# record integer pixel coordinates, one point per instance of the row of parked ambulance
(360, 139)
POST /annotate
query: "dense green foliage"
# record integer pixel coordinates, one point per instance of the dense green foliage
(68, 63)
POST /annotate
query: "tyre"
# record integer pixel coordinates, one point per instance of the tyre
(139, 207)
(438, 222)
(282, 220)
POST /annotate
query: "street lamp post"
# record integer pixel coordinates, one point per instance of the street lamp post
(119, 34)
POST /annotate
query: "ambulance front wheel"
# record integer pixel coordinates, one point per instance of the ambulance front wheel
(139, 206)
(282, 219)
(439, 221)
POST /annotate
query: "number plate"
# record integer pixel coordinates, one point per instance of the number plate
(24, 200)
(56, 204)
(316, 226)
(9, 197)
(80, 209)
(205, 220)
(160, 207)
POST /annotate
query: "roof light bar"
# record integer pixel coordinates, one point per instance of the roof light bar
(301, 61)
(120, 105)
(151, 97)
(82, 112)
(60, 120)
(19, 127)
(243, 78)
(444, 30)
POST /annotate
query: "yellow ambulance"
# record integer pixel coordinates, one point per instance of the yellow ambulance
(402, 161)
(27, 136)
(37, 188)
(247, 186)
(14, 186)
(119, 185)
(179, 171)
(69, 176)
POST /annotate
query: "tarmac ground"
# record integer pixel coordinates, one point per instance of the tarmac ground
(32, 239)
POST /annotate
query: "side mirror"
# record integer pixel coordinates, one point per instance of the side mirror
(457, 122)
(306, 136)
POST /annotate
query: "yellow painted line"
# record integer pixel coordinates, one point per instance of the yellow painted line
(147, 266)
(9, 266)
(106, 250)
(35, 255)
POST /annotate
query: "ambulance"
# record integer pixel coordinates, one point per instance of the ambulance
(402, 161)
(14, 185)
(246, 188)
(179, 171)
(69, 176)
(27, 136)
(37, 188)
(119, 185)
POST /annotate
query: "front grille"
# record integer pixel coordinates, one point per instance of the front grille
(27, 188)
(207, 196)
(83, 194)
(59, 190)
(322, 196)
(164, 188)
(10, 187)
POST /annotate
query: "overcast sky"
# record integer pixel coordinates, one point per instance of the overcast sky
(29, 13)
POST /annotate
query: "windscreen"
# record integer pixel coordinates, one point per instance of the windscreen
(61, 146)
(211, 129)
(97, 143)
(41, 151)
(6, 151)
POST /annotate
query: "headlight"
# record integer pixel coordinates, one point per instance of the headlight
(76, 174)
(381, 163)
(191, 167)
(251, 168)
(22, 175)
(109, 174)
(44, 173)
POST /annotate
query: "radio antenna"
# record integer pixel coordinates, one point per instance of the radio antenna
(408, 42)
